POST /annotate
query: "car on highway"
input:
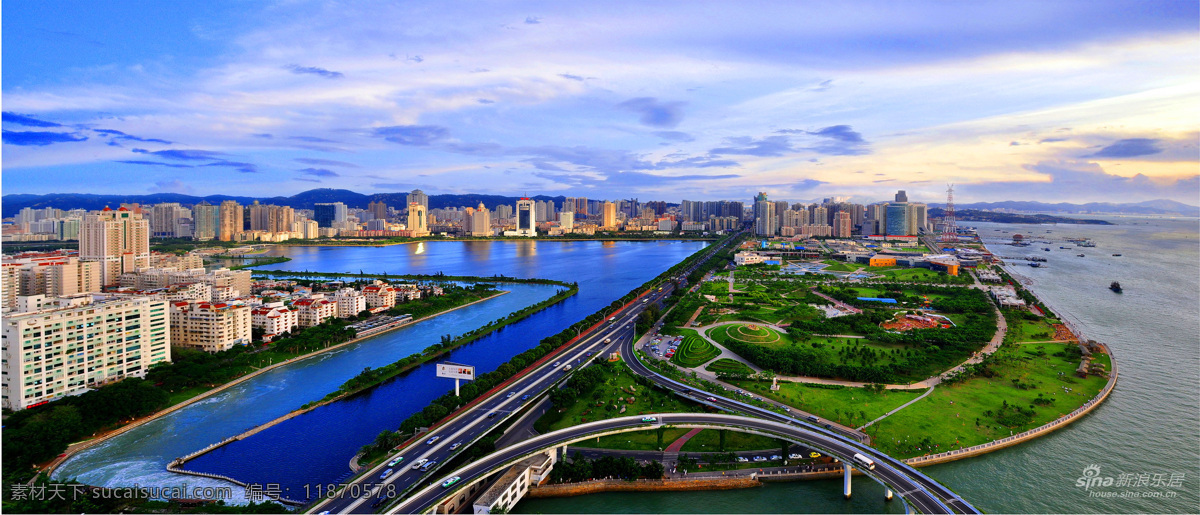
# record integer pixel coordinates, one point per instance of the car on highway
(432, 440)
(396, 461)
(711, 399)
(557, 363)
(450, 482)
(417, 464)
(742, 459)
(492, 415)
(456, 445)
(525, 397)
(649, 419)
(814, 454)
(606, 340)
(776, 457)
(794, 456)
(589, 354)
(811, 418)
(386, 473)
(428, 465)
(866, 462)
(510, 394)
(759, 458)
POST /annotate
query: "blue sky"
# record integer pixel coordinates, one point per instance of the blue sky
(1052, 101)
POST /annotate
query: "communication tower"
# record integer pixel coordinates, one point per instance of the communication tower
(949, 227)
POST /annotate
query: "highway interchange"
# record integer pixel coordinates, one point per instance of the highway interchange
(368, 493)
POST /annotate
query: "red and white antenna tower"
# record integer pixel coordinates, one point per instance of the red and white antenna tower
(950, 228)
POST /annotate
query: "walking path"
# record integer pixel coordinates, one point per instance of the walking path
(678, 444)
(898, 408)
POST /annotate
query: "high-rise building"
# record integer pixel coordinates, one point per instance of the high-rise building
(842, 226)
(765, 220)
(328, 214)
(609, 215)
(901, 197)
(230, 218)
(119, 240)
(525, 224)
(897, 219)
(378, 209)
(780, 207)
(481, 222)
(918, 218)
(504, 212)
(163, 218)
(566, 221)
(820, 215)
(71, 344)
(418, 224)
(581, 206)
(419, 197)
(205, 221)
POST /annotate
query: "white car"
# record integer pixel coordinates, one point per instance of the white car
(417, 464)
(759, 458)
(794, 456)
(742, 459)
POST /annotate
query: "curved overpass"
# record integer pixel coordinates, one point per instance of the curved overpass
(895, 478)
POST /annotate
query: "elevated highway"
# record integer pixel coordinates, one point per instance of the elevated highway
(896, 479)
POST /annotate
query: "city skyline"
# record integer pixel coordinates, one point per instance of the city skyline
(1073, 103)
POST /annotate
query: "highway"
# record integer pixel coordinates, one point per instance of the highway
(896, 479)
(371, 492)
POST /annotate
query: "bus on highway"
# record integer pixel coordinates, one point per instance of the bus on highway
(864, 461)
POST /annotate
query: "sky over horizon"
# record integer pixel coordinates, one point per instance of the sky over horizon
(1045, 101)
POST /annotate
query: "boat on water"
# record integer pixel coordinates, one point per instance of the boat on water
(1079, 255)
(1047, 249)
(1064, 247)
(1116, 255)
(1035, 264)
(1115, 286)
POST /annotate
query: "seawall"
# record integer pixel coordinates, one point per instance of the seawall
(641, 485)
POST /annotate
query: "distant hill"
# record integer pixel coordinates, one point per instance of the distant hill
(1149, 207)
(12, 204)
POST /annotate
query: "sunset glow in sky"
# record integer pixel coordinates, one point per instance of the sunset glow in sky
(1050, 101)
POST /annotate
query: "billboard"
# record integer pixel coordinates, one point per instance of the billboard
(455, 371)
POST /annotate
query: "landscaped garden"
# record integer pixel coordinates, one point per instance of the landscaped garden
(845, 405)
(726, 366)
(694, 351)
(1019, 388)
(607, 390)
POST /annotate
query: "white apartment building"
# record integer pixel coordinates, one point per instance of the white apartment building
(53, 274)
(380, 295)
(75, 343)
(350, 302)
(209, 326)
(274, 320)
(226, 284)
(312, 311)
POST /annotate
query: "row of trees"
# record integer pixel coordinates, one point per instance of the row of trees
(583, 469)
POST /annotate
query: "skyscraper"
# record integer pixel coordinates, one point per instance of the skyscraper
(418, 225)
(480, 223)
(841, 225)
(525, 223)
(566, 221)
(119, 240)
(765, 220)
(163, 218)
(328, 214)
(205, 221)
(609, 216)
(897, 219)
(901, 197)
(230, 218)
(419, 197)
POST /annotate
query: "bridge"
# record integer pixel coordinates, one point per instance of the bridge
(895, 479)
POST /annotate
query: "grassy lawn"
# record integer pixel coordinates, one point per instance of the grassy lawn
(838, 266)
(635, 440)
(694, 351)
(973, 412)
(743, 332)
(868, 292)
(845, 405)
(615, 391)
(727, 365)
(709, 440)
(1023, 330)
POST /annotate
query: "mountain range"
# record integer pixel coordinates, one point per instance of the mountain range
(13, 203)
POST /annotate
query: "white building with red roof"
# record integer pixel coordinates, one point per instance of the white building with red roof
(209, 326)
(274, 321)
(312, 311)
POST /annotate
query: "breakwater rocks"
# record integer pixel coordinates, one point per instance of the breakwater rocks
(641, 485)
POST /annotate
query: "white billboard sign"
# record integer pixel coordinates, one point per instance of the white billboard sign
(455, 371)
